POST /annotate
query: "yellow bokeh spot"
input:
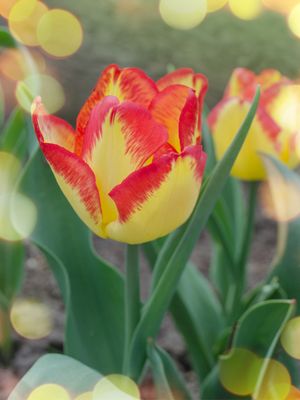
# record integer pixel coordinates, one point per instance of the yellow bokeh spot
(18, 216)
(6, 6)
(22, 10)
(239, 371)
(282, 6)
(276, 383)
(59, 33)
(49, 392)
(246, 9)
(10, 167)
(116, 387)
(294, 20)
(31, 319)
(290, 338)
(214, 5)
(85, 396)
(25, 30)
(42, 85)
(17, 64)
(181, 14)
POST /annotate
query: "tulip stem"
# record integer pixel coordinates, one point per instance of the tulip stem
(132, 296)
(245, 250)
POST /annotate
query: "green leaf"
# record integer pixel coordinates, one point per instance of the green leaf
(163, 389)
(178, 248)
(6, 39)
(196, 312)
(286, 263)
(92, 289)
(258, 330)
(11, 271)
(56, 369)
(14, 136)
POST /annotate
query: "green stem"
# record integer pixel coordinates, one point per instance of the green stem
(244, 253)
(247, 240)
(132, 296)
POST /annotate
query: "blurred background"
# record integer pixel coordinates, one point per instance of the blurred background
(64, 45)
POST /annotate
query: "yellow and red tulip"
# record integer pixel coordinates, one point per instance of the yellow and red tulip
(270, 132)
(132, 168)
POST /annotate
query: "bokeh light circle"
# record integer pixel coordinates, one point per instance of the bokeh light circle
(116, 387)
(276, 383)
(42, 85)
(239, 371)
(31, 318)
(59, 33)
(21, 10)
(18, 216)
(85, 396)
(6, 6)
(281, 6)
(294, 20)
(25, 30)
(246, 9)
(181, 14)
(214, 5)
(290, 338)
(10, 167)
(49, 392)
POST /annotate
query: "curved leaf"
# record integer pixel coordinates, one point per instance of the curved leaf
(92, 289)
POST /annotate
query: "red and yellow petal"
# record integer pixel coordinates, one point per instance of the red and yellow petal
(282, 102)
(77, 182)
(120, 140)
(186, 77)
(242, 84)
(130, 84)
(225, 121)
(176, 108)
(158, 198)
(51, 129)
(270, 77)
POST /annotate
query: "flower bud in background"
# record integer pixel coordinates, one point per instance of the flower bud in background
(275, 129)
(132, 169)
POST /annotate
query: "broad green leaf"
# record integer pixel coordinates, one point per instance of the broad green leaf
(60, 370)
(258, 330)
(11, 271)
(286, 196)
(162, 384)
(196, 312)
(14, 136)
(6, 39)
(92, 289)
(175, 378)
(178, 248)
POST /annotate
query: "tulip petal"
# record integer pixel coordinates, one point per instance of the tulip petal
(282, 102)
(119, 140)
(130, 84)
(242, 84)
(226, 119)
(176, 108)
(78, 184)
(184, 76)
(158, 198)
(51, 129)
(270, 77)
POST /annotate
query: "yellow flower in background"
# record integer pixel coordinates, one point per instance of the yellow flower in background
(275, 129)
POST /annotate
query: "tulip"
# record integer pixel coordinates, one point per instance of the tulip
(274, 130)
(132, 169)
